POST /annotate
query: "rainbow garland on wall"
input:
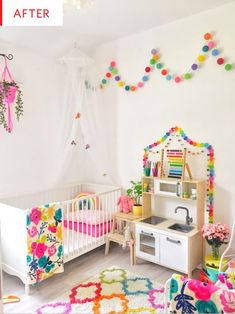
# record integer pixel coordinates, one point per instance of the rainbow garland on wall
(210, 164)
(209, 46)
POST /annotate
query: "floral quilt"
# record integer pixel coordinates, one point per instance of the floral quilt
(44, 242)
(193, 296)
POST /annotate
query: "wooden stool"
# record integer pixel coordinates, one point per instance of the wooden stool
(120, 221)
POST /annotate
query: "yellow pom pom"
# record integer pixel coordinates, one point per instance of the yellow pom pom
(155, 57)
(201, 58)
(120, 84)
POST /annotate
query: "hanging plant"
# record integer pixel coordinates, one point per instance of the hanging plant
(10, 94)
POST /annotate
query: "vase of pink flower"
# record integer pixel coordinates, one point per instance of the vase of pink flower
(216, 235)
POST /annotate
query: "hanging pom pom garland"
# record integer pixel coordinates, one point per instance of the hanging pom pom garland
(179, 133)
(208, 46)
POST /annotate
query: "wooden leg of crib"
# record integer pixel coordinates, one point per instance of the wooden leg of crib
(27, 289)
(107, 246)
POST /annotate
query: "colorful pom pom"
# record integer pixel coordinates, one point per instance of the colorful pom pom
(113, 64)
(207, 36)
(153, 51)
(104, 81)
(205, 48)
(194, 67)
(147, 69)
(164, 72)
(127, 88)
(145, 78)
(156, 57)
(168, 77)
(140, 84)
(114, 71)
(211, 44)
(159, 66)
(108, 75)
(152, 61)
(228, 67)
(187, 76)
(177, 79)
(201, 58)
(220, 61)
(215, 52)
(120, 84)
(133, 88)
(117, 78)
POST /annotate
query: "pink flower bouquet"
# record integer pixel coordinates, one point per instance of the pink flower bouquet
(216, 235)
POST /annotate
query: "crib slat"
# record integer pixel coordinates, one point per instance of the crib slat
(68, 222)
(77, 225)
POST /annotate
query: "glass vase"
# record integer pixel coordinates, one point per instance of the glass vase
(215, 251)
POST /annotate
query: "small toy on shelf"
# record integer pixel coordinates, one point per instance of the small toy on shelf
(185, 195)
(177, 164)
(125, 204)
(193, 195)
(145, 187)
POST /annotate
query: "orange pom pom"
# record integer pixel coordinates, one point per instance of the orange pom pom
(207, 36)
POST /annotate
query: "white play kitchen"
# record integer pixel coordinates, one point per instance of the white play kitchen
(173, 214)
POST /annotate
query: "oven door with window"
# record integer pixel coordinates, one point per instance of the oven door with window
(147, 244)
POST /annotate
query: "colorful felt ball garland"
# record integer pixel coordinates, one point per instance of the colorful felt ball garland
(113, 71)
(154, 63)
(210, 163)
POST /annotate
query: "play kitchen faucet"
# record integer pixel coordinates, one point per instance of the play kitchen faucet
(188, 219)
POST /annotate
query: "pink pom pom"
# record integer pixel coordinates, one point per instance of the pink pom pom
(140, 84)
(211, 44)
(177, 79)
(113, 64)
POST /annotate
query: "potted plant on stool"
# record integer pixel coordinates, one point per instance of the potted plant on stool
(135, 193)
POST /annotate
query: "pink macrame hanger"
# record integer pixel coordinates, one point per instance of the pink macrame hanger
(9, 98)
(6, 72)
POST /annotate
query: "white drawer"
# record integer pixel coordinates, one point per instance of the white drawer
(174, 252)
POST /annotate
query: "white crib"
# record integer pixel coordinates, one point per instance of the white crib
(83, 229)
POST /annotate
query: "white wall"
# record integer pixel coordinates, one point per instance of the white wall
(30, 155)
(203, 106)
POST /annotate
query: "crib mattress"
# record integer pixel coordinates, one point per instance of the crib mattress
(94, 230)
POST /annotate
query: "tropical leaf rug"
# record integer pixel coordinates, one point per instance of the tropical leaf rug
(113, 290)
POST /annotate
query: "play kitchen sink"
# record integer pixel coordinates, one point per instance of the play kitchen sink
(181, 228)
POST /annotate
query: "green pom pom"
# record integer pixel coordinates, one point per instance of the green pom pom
(158, 65)
(104, 81)
(228, 67)
(152, 61)
(187, 76)
(127, 87)
(114, 71)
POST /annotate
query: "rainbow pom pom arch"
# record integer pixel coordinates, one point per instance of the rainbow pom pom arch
(209, 47)
(210, 162)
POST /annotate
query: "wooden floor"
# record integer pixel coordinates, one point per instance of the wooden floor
(76, 271)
